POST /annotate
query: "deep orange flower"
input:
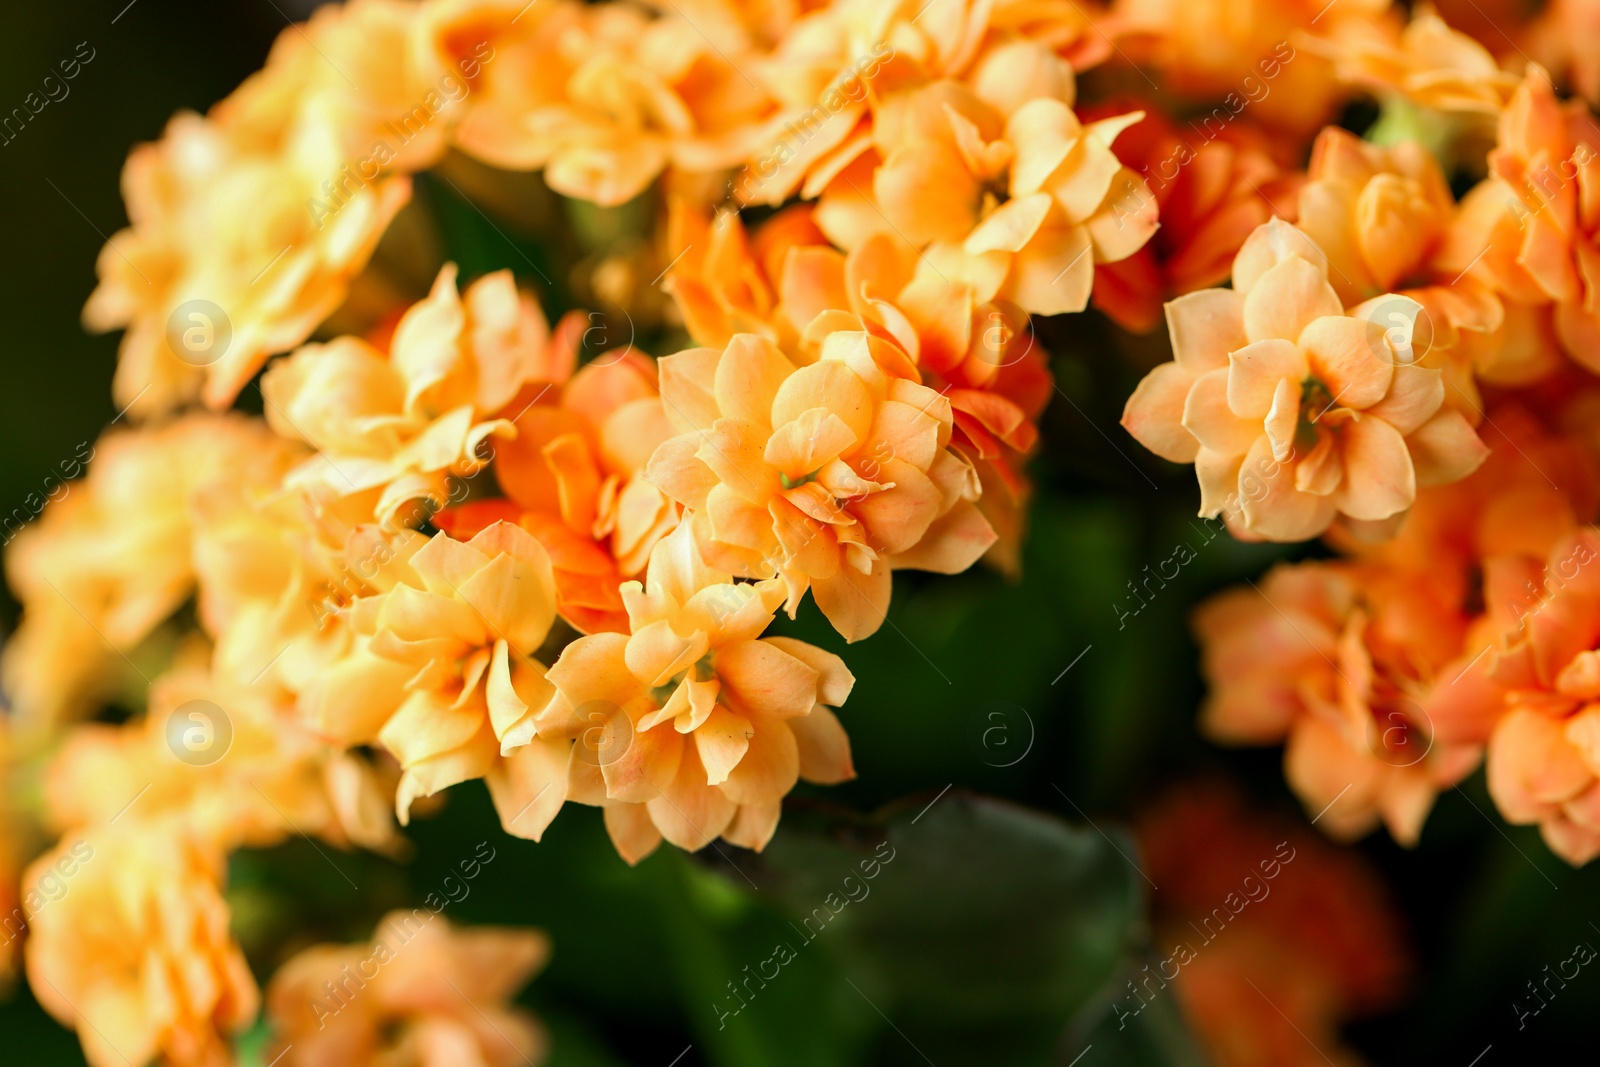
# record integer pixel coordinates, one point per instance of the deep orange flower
(1213, 185)
(1270, 937)
(1532, 229)
(830, 476)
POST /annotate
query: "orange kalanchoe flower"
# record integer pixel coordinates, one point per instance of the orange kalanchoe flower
(1250, 903)
(1304, 411)
(947, 155)
(1234, 54)
(1532, 229)
(604, 97)
(791, 286)
(1340, 660)
(573, 478)
(463, 617)
(229, 766)
(831, 476)
(249, 225)
(1383, 217)
(580, 450)
(1427, 62)
(396, 427)
(982, 357)
(179, 279)
(110, 559)
(137, 955)
(1565, 37)
(1210, 199)
(423, 993)
(727, 281)
(703, 725)
(1377, 670)
(1544, 755)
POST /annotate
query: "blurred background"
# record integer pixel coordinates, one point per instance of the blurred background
(1029, 747)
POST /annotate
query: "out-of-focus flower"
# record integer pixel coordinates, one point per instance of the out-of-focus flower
(13, 921)
(1428, 63)
(135, 954)
(1538, 486)
(1276, 938)
(396, 427)
(704, 725)
(1293, 409)
(831, 475)
(1338, 660)
(1544, 755)
(223, 762)
(257, 217)
(1210, 199)
(1532, 229)
(110, 558)
(1377, 670)
(1566, 39)
(1248, 53)
(217, 229)
(423, 993)
(604, 97)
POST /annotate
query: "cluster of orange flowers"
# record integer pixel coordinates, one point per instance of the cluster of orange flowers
(447, 551)
(1408, 376)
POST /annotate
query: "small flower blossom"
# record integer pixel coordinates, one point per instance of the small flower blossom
(424, 992)
(1339, 662)
(1273, 376)
(705, 725)
(1427, 62)
(1532, 229)
(137, 956)
(398, 426)
(830, 476)
(1544, 754)
(110, 558)
(463, 617)
(1210, 199)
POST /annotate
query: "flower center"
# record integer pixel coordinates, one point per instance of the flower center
(795, 483)
(1315, 400)
(702, 671)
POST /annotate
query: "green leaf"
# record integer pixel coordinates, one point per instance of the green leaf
(974, 928)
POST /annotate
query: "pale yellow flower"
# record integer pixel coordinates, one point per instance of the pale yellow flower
(695, 726)
(136, 955)
(424, 993)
